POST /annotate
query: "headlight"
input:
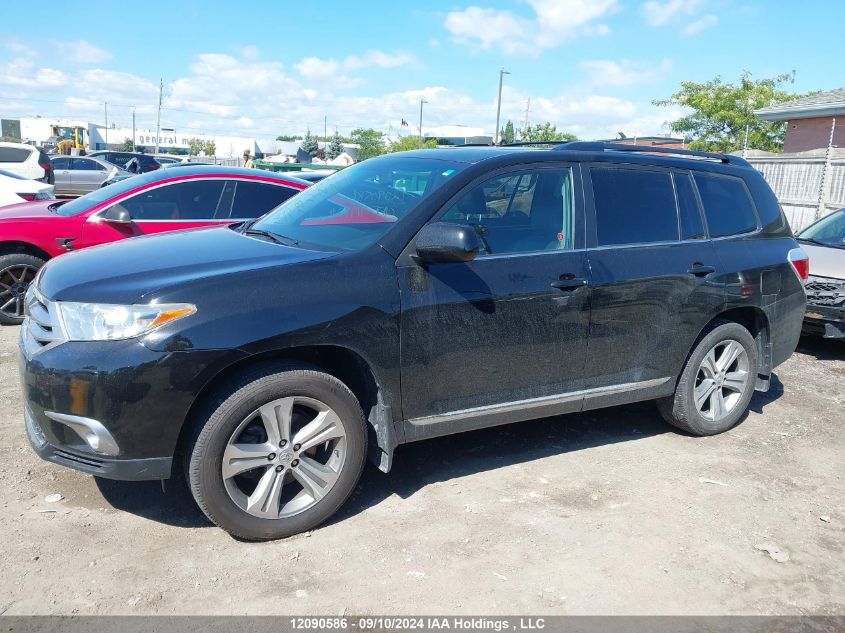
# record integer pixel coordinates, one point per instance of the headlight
(110, 322)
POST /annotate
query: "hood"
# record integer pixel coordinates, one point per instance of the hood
(135, 270)
(825, 261)
(34, 209)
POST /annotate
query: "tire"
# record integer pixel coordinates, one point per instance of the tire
(17, 270)
(240, 416)
(729, 397)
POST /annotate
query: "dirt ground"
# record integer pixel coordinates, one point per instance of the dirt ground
(607, 512)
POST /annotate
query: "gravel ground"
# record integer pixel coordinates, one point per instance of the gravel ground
(605, 512)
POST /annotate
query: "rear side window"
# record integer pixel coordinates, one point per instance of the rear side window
(14, 154)
(692, 227)
(633, 206)
(257, 198)
(83, 164)
(727, 205)
(61, 163)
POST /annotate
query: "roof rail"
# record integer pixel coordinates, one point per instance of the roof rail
(528, 143)
(589, 146)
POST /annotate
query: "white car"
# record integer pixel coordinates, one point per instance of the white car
(27, 161)
(15, 189)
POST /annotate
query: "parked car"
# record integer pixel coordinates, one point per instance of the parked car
(27, 161)
(167, 160)
(134, 162)
(314, 176)
(824, 242)
(15, 189)
(78, 175)
(411, 296)
(34, 232)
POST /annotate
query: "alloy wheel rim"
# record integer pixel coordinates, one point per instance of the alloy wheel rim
(284, 457)
(14, 282)
(721, 381)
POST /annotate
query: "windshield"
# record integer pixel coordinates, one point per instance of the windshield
(83, 203)
(359, 204)
(829, 230)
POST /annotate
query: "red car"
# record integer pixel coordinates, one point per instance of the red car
(162, 200)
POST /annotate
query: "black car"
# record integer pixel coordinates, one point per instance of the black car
(406, 297)
(136, 162)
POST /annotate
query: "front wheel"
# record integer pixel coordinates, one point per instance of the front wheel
(17, 271)
(279, 455)
(717, 383)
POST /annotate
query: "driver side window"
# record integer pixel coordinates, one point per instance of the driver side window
(191, 200)
(525, 211)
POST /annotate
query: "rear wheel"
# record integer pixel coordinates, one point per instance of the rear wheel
(717, 383)
(16, 273)
(279, 455)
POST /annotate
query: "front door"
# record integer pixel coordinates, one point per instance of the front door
(656, 279)
(502, 337)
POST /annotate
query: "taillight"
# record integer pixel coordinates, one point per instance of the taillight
(800, 263)
(47, 167)
(29, 197)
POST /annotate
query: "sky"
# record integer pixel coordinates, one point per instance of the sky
(260, 69)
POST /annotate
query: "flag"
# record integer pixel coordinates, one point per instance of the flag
(404, 122)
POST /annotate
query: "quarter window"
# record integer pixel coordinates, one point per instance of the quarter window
(727, 205)
(633, 206)
(191, 200)
(14, 154)
(520, 212)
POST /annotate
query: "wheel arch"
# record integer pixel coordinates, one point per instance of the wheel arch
(343, 363)
(12, 247)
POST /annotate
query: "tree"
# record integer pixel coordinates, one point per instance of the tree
(544, 132)
(172, 150)
(722, 110)
(210, 148)
(195, 146)
(286, 137)
(309, 144)
(9, 139)
(370, 143)
(405, 143)
(128, 145)
(507, 134)
(335, 148)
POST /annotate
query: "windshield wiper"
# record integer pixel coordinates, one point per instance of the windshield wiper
(275, 237)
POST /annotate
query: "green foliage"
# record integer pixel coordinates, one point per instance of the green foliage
(172, 150)
(544, 132)
(335, 148)
(721, 111)
(195, 146)
(9, 139)
(210, 148)
(286, 137)
(370, 142)
(405, 143)
(309, 144)
(507, 134)
(128, 145)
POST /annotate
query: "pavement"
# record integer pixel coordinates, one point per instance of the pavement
(606, 512)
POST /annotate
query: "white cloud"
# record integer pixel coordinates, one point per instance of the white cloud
(250, 52)
(624, 72)
(699, 25)
(554, 22)
(51, 77)
(659, 13)
(82, 52)
(334, 69)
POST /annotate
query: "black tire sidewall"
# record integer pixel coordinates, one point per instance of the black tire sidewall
(17, 259)
(696, 422)
(206, 454)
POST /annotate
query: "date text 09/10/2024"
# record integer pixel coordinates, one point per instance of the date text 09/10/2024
(409, 623)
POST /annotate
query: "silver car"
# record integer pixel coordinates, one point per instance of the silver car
(77, 175)
(824, 242)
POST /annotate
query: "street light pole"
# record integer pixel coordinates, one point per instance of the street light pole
(158, 118)
(422, 101)
(133, 128)
(502, 73)
(106, 111)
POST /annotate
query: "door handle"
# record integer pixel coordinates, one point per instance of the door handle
(569, 282)
(700, 270)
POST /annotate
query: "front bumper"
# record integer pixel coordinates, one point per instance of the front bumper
(114, 408)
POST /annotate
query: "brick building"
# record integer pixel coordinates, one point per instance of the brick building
(809, 120)
(651, 141)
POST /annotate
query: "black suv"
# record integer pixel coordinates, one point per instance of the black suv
(136, 162)
(406, 297)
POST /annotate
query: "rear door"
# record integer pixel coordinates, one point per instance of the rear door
(61, 171)
(86, 175)
(655, 279)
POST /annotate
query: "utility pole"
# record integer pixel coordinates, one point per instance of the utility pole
(106, 110)
(496, 136)
(527, 110)
(422, 101)
(133, 128)
(158, 118)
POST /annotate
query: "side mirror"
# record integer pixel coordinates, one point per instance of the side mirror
(443, 242)
(116, 215)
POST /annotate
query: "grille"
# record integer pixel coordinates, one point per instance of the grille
(41, 326)
(824, 291)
